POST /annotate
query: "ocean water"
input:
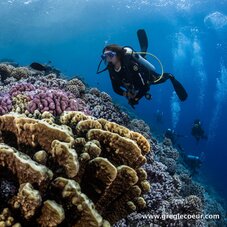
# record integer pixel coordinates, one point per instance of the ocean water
(188, 36)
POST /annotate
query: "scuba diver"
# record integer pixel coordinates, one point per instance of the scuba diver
(197, 131)
(193, 162)
(131, 74)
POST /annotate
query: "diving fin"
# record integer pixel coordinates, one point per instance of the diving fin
(143, 41)
(179, 89)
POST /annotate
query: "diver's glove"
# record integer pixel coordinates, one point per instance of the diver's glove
(148, 96)
(132, 102)
(129, 94)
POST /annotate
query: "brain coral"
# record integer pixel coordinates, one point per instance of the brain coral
(79, 172)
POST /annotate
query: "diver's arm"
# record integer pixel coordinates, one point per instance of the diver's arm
(117, 88)
(141, 83)
(116, 83)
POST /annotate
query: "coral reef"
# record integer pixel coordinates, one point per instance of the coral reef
(65, 160)
(75, 181)
(101, 106)
(17, 73)
(141, 127)
(173, 193)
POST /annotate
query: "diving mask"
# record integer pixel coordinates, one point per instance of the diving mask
(109, 54)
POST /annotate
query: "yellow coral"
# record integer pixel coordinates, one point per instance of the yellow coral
(66, 157)
(25, 169)
(52, 214)
(27, 199)
(121, 149)
(85, 125)
(72, 117)
(101, 160)
(20, 103)
(7, 220)
(71, 190)
(125, 132)
(33, 132)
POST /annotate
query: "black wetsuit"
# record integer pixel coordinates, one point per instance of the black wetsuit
(198, 132)
(133, 77)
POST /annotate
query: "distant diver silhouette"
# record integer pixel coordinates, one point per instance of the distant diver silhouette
(197, 131)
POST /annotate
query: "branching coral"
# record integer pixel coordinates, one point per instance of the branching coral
(73, 176)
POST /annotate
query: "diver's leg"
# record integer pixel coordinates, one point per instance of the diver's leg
(164, 78)
(179, 89)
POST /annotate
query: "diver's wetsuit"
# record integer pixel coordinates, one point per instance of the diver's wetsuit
(134, 77)
(198, 132)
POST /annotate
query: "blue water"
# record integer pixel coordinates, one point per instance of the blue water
(189, 37)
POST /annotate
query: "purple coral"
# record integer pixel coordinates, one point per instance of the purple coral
(44, 99)
(54, 101)
(5, 104)
(21, 88)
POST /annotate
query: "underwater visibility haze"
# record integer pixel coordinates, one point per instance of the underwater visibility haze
(188, 36)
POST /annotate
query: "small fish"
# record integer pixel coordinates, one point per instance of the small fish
(38, 66)
(45, 68)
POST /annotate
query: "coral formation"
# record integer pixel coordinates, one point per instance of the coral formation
(52, 214)
(76, 87)
(5, 104)
(141, 127)
(25, 97)
(98, 173)
(24, 167)
(20, 103)
(52, 101)
(173, 192)
(7, 220)
(65, 160)
(5, 71)
(101, 106)
(27, 199)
